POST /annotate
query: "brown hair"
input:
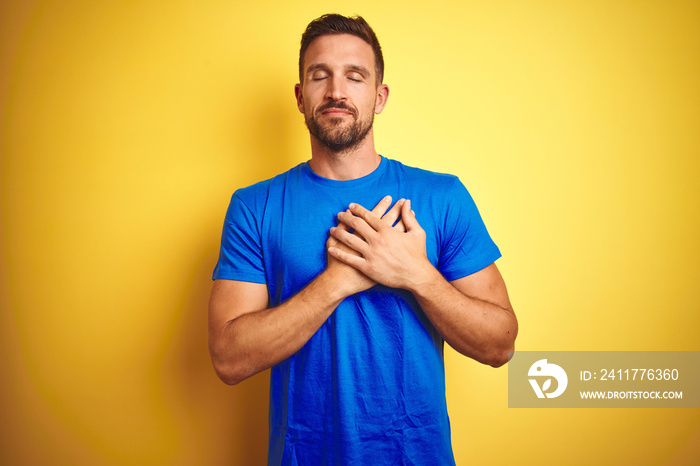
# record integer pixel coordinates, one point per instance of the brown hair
(338, 24)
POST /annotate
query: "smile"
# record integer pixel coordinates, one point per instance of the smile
(336, 112)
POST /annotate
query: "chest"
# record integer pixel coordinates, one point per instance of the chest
(296, 226)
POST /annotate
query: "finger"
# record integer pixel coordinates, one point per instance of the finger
(400, 226)
(370, 219)
(350, 240)
(331, 240)
(382, 206)
(394, 213)
(339, 245)
(347, 258)
(358, 224)
(408, 217)
(342, 226)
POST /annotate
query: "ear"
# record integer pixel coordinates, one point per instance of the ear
(300, 99)
(382, 97)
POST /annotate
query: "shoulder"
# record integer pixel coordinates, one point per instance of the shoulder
(436, 181)
(443, 194)
(256, 195)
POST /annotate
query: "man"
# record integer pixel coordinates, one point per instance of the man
(350, 307)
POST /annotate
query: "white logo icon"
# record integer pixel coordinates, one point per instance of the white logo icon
(542, 369)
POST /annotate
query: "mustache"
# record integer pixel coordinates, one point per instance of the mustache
(339, 104)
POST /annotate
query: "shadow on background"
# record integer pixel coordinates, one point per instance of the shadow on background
(231, 419)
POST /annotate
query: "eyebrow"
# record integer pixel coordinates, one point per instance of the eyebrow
(360, 69)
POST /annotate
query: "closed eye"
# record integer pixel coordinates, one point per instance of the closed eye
(357, 73)
(355, 76)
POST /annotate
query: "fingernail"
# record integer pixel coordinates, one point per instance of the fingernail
(352, 206)
(387, 199)
(401, 201)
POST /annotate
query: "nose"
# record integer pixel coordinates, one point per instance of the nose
(336, 88)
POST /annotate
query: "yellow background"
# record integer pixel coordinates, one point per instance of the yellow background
(125, 127)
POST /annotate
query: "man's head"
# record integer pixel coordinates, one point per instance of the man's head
(340, 86)
(339, 24)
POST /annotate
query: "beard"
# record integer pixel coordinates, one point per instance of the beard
(334, 135)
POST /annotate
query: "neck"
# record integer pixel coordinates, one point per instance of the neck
(349, 164)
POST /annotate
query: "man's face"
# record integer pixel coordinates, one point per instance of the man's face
(340, 95)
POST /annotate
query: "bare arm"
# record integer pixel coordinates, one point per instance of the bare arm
(247, 337)
(473, 314)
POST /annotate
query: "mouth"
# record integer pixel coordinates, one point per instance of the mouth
(335, 109)
(336, 112)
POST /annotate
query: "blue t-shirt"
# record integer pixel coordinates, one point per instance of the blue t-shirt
(369, 386)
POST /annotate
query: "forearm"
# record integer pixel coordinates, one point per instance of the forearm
(476, 328)
(255, 341)
(473, 314)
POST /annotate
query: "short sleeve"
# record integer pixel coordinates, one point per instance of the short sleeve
(466, 246)
(240, 257)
